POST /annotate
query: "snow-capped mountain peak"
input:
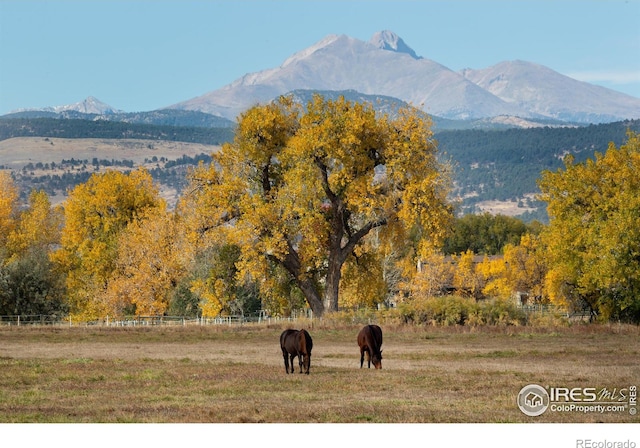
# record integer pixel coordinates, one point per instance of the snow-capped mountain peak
(386, 66)
(328, 40)
(540, 90)
(388, 40)
(90, 105)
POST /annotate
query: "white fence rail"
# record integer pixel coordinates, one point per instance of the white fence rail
(135, 321)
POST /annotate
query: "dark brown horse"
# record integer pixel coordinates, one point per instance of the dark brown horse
(296, 343)
(370, 341)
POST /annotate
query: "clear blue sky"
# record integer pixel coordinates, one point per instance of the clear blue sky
(144, 55)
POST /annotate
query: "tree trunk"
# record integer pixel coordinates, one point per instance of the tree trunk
(333, 284)
(292, 264)
(312, 296)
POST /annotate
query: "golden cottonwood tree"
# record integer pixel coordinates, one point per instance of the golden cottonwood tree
(522, 269)
(8, 207)
(434, 274)
(96, 214)
(28, 283)
(148, 265)
(593, 237)
(363, 281)
(526, 265)
(303, 187)
(210, 257)
(37, 227)
(467, 277)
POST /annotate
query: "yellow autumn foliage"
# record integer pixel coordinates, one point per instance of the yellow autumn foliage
(303, 187)
(95, 216)
(593, 238)
(8, 206)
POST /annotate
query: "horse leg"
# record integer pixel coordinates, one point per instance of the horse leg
(300, 360)
(307, 363)
(293, 369)
(361, 356)
(285, 355)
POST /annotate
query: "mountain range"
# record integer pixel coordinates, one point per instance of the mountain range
(90, 105)
(386, 67)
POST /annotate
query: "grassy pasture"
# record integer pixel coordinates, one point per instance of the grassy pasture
(236, 374)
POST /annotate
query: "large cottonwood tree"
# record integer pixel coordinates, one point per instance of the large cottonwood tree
(9, 196)
(96, 215)
(300, 188)
(28, 283)
(593, 238)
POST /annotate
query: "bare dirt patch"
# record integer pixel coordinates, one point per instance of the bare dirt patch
(508, 208)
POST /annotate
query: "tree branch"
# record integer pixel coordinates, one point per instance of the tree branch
(266, 185)
(325, 181)
(356, 237)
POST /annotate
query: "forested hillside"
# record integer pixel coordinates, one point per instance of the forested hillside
(61, 128)
(505, 165)
(160, 117)
(489, 165)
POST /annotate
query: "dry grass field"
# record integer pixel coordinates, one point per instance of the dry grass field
(15, 153)
(236, 374)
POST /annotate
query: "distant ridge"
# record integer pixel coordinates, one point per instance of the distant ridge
(163, 117)
(105, 129)
(543, 91)
(494, 171)
(89, 105)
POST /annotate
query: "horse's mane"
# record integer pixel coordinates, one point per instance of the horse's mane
(374, 335)
(306, 341)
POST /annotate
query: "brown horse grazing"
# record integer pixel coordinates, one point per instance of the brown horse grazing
(296, 343)
(370, 341)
